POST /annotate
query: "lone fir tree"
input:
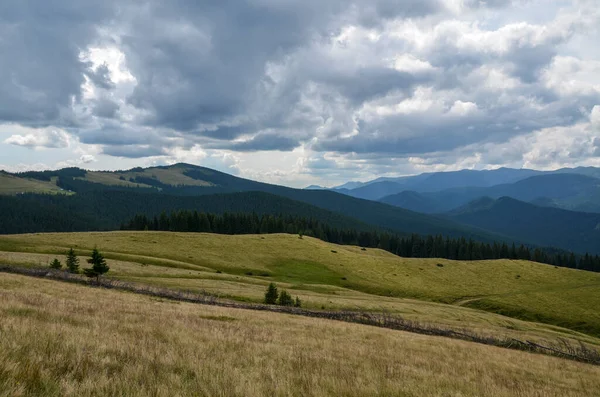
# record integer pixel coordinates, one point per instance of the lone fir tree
(99, 266)
(271, 294)
(72, 262)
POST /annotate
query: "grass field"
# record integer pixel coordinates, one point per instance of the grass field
(67, 340)
(11, 185)
(348, 278)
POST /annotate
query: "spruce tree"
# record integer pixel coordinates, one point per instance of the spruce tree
(55, 264)
(99, 266)
(285, 299)
(271, 294)
(72, 262)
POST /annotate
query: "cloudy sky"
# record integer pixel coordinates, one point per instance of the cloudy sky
(300, 92)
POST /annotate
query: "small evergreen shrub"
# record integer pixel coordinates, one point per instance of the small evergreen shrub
(55, 264)
(285, 299)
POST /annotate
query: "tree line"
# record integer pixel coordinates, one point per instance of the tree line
(413, 246)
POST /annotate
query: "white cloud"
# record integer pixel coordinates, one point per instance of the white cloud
(460, 108)
(50, 138)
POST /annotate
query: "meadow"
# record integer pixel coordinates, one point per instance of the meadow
(11, 185)
(556, 302)
(63, 339)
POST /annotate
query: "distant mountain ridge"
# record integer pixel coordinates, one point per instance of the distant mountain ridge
(379, 188)
(576, 231)
(575, 192)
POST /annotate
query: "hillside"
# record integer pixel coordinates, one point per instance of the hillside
(164, 185)
(12, 185)
(111, 342)
(576, 231)
(107, 210)
(333, 276)
(418, 202)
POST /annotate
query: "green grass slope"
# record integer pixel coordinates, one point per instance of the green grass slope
(521, 289)
(11, 185)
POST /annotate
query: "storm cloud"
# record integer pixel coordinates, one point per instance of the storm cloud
(340, 87)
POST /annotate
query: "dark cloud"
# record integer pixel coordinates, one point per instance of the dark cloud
(211, 68)
(106, 108)
(117, 135)
(133, 151)
(101, 77)
(264, 142)
(370, 83)
(40, 67)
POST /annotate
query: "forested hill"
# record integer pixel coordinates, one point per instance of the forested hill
(171, 182)
(577, 231)
(107, 209)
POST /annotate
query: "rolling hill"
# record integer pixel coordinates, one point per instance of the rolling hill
(333, 276)
(576, 231)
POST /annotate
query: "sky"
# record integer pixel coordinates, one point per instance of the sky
(300, 92)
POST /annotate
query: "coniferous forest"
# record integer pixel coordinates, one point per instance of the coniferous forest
(413, 246)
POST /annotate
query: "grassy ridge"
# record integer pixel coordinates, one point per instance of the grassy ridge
(107, 343)
(521, 289)
(11, 185)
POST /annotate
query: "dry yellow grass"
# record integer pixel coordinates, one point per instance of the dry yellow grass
(63, 339)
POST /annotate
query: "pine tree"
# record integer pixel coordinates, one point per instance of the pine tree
(99, 266)
(271, 294)
(55, 264)
(297, 303)
(72, 262)
(285, 299)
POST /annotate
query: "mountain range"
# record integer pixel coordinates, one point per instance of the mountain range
(522, 206)
(576, 189)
